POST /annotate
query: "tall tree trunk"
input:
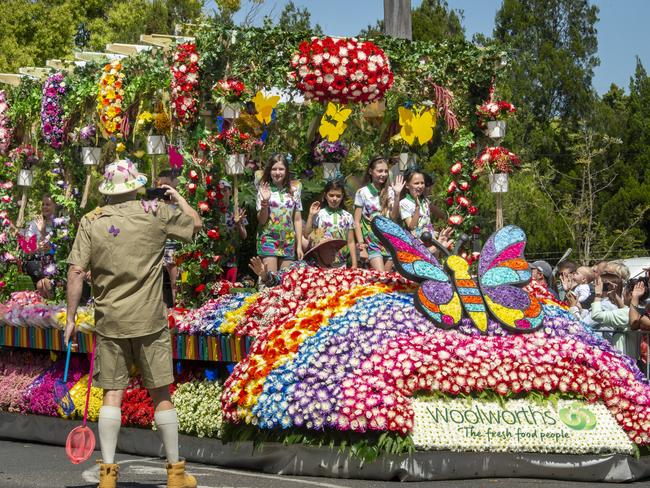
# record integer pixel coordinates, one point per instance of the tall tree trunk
(397, 19)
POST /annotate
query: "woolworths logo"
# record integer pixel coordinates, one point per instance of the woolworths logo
(577, 417)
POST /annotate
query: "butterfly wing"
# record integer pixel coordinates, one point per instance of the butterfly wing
(423, 124)
(502, 270)
(436, 297)
(264, 106)
(27, 245)
(406, 121)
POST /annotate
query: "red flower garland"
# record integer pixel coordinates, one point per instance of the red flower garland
(185, 83)
(341, 70)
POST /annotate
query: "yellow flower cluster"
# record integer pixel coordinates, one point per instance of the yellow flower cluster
(85, 319)
(78, 395)
(110, 95)
(232, 319)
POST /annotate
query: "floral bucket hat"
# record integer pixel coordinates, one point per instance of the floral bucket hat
(121, 177)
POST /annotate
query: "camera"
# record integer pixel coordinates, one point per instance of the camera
(157, 194)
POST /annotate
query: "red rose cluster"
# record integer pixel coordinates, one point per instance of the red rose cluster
(185, 83)
(341, 70)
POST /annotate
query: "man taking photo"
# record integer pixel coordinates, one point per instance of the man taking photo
(122, 244)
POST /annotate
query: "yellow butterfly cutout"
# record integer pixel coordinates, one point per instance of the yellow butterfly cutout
(264, 106)
(417, 124)
(334, 113)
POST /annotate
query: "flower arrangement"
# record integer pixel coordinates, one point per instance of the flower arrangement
(85, 135)
(496, 160)
(25, 156)
(185, 83)
(137, 406)
(351, 361)
(341, 70)
(232, 141)
(153, 123)
(499, 110)
(110, 94)
(460, 201)
(195, 403)
(78, 394)
(18, 370)
(330, 152)
(52, 122)
(228, 90)
(5, 127)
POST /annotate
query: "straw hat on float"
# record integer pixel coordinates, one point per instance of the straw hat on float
(121, 177)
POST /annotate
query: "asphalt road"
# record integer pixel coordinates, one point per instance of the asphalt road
(24, 465)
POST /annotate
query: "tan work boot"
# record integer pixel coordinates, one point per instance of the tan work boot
(176, 477)
(108, 475)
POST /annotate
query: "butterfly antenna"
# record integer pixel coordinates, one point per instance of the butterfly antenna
(460, 243)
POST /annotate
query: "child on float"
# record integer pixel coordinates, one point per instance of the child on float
(235, 222)
(415, 210)
(279, 216)
(378, 197)
(329, 219)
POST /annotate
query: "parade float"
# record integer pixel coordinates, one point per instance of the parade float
(454, 367)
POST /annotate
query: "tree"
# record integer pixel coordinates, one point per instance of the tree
(34, 31)
(554, 44)
(434, 21)
(294, 18)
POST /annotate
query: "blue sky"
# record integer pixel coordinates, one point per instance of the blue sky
(622, 29)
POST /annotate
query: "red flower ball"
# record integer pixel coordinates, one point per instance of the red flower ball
(472, 210)
(193, 175)
(213, 234)
(341, 70)
(463, 185)
(191, 187)
(200, 288)
(462, 201)
(450, 201)
(455, 219)
(453, 186)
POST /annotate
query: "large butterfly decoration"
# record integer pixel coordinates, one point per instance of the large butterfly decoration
(332, 124)
(446, 292)
(27, 245)
(417, 123)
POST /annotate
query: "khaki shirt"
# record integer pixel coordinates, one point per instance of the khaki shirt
(122, 245)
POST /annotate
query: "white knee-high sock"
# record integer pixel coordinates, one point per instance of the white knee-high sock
(167, 425)
(110, 420)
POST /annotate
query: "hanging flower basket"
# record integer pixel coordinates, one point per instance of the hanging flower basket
(331, 170)
(498, 182)
(156, 145)
(25, 178)
(90, 155)
(235, 164)
(496, 129)
(407, 161)
(231, 111)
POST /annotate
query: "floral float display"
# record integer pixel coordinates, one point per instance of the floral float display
(5, 127)
(110, 94)
(52, 122)
(338, 351)
(341, 70)
(185, 90)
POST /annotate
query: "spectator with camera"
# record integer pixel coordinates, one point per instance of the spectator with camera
(617, 319)
(639, 315)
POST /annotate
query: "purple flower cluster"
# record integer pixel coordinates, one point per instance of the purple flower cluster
(52, 110)
(330, 152)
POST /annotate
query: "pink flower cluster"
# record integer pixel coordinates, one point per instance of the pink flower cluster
(5, 127)
(18, 370)
(452, 363)
(185, 83)
(341, 70)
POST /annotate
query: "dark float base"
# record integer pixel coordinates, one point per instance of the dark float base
(314, 461)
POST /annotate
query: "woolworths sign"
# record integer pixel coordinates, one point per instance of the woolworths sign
(572, 427)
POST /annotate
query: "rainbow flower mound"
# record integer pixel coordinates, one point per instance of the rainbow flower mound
(346, 350)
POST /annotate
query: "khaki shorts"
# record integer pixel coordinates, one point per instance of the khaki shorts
(115, 358)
